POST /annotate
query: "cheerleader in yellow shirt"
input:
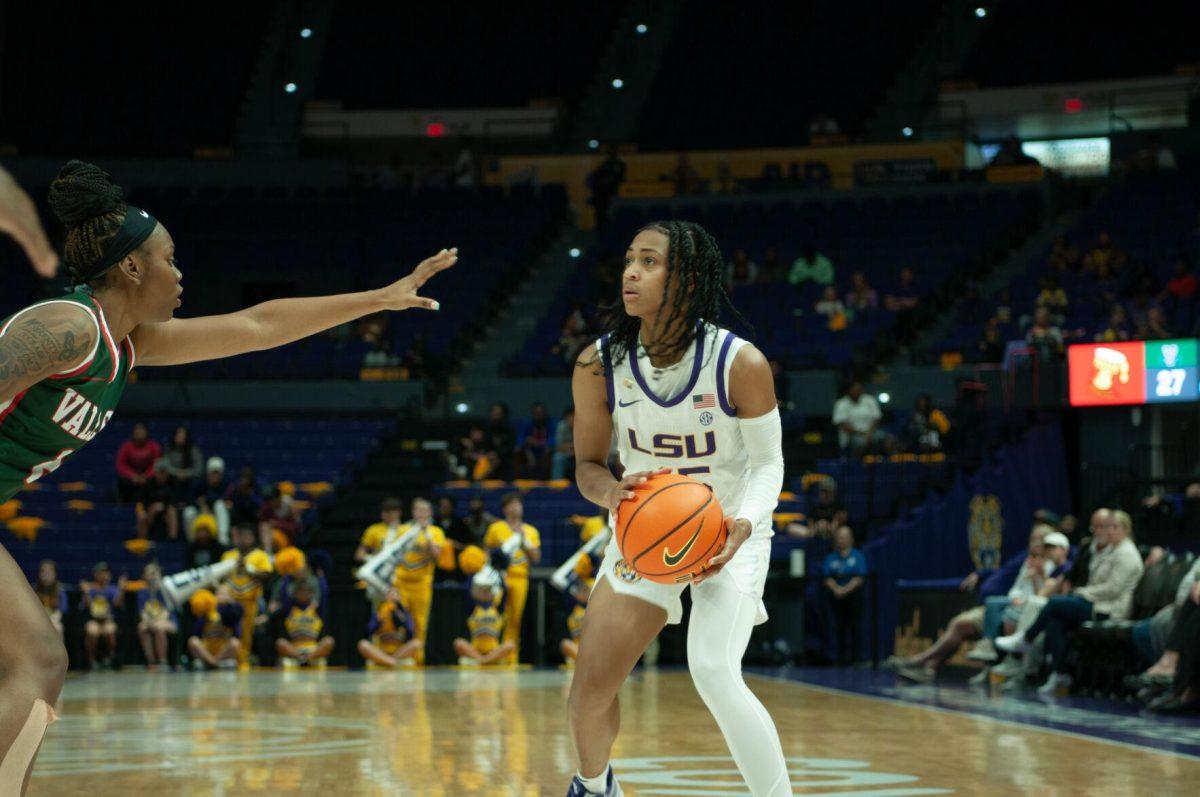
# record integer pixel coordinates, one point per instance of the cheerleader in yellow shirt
(521, 544)
(413, 579)
(245, 584)
(379, 534)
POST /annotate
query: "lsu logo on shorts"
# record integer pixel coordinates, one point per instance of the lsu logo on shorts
(623, 571)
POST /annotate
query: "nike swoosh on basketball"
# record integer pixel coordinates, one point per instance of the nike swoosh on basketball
(672, 559)
(627, 403)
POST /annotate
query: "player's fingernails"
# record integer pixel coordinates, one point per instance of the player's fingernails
(435, 306)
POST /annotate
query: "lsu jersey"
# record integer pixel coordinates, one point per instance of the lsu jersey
(500, 532)
(303, 625)
(681, 417)
(219, 626)
(486, 624)
(245, 587)
(578, 589)
(418, 561)
(390, 628)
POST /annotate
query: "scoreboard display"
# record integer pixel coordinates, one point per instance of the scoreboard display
(1132, 372)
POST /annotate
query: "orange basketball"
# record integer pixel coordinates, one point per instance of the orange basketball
(670, 529)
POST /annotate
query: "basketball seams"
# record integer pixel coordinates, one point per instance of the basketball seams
(678, 526)
(622, 528)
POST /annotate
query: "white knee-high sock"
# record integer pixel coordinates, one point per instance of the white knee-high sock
(721, 622)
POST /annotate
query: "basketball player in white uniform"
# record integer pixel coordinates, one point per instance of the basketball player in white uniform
(678, 393)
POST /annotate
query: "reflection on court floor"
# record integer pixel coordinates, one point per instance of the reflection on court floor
(447, 732)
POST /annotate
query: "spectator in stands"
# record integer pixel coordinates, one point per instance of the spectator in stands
(1150, 632)
(1181, 288)
(1011, 154)
(390, 638)
(1113, 574)
(244, 497)
(857, 417)
(1116, 328)
(991, 348)
(156, 514)
(184, 462)
(457, 531)
(772, 268)
(811, 266)
(1103, 255)
(1153, 326)
(278, 520)
(825, 516)
(156, 622)
(135, 464)
(927, 426)
(741, 270)
(465, 171)
(861, 298)
(302, 642)
(475, 460)
(99, 600)
(1044, 336)
(562, 464)
(782, 385)
(209, 499)
(845, 571)
(215, 639)
(203, 548)
(832, 308)
(1176, 502)
(51, 593)
(478, 520)
(906, 296)
(521, 545)
(1063, 256)
(381, 533)
(1029, 581)
(535, 444)
(416, 360)
(686, 178)
(503, 439)
(823, 126)
(1053, 298)
(574, 335)
(605, 182)
(1003, 312)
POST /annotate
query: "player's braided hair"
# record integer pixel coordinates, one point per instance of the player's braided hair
(694, 261)
(91, 208)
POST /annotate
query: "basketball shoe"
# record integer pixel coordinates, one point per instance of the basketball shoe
(611, 788)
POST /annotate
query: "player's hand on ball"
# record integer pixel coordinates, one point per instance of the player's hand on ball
(739, 531)
(623, 490)
(402, 294)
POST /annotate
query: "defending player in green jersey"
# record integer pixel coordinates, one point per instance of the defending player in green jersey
(64, 363)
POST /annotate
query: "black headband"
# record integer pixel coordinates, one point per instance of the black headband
(135, 228)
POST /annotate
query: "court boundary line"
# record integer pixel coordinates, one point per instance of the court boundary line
(962, 713)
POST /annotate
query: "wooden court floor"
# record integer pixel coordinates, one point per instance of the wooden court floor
(448, 732)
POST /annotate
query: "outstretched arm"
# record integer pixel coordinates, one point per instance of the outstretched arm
(276, 323)
(18, 218)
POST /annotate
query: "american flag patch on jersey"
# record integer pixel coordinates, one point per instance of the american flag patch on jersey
(704, 401)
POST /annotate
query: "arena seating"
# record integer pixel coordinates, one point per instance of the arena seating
(188, 87)
(766, 75)
(1071, 42)
(85, 525)
(549, 51)
(1152, 218)
(934, 232)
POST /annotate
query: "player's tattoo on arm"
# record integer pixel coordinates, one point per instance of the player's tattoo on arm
(32, 348)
